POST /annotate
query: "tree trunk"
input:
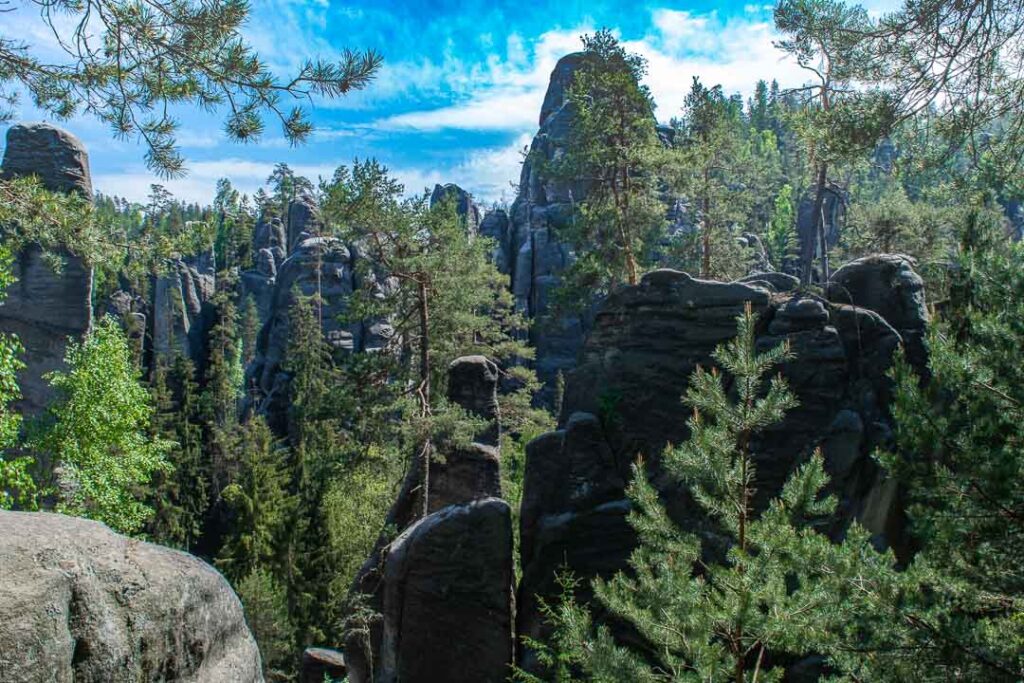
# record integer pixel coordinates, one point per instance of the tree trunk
(705, 257)
(424, 390)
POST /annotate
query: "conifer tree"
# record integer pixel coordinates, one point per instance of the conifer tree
(260, 502)
(704, 620)
(444, 298)
(610, 159)
(959, 610)
(711, 157)
(182, 496)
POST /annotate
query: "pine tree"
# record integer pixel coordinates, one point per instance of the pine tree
(712, 154)
(611, 155)
(961, 459)
(773, 591)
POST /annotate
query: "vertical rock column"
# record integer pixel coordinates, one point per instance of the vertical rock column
(443, 587)
(44, 308)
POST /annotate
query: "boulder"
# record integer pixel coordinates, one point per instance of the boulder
(81, 603)
(888, 285)
(320, 663)
(448, 597)
(44, 308)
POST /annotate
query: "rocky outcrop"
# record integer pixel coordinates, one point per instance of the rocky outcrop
(888, 285)
(447, 608)
(81, 603)
(833, 210)
(458, 475)
(529, 251)
(323, 265)
(303, 221)
(181, 312)
(44, 308)
(320, 663)
(465, 207)
(623, 401)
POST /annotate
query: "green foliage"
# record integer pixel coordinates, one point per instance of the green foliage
(710, 165)
(95, 432)
(180, 497)
(962, 434)
(16, 484)
(259, 500)
(266, 613)
(780, 238)
(609, 163)
(181, 52)
(775, 589)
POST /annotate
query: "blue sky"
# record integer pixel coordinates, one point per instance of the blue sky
(461, 87)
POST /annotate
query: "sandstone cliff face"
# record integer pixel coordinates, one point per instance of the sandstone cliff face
(44, 308)
(623, 401)
(81, 603)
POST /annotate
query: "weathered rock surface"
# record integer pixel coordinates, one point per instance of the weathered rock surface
(303, 221)
(318, 663)
(623, 401)
(448, 597)
(888, 285)
(44, 308)
(318, 264)
(181, 312)
(465, 207)
(81, 603)
(458, 476)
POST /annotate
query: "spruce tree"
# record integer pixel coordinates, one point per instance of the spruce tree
(260, 502)
(180, 497)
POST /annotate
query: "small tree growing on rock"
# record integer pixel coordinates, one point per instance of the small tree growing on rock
(701, 619)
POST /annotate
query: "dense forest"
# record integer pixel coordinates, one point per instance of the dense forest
(271, 383)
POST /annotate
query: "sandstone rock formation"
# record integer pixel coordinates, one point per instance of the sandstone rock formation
(464, 204)
(181, 314)
(623, 401)
(390, 577)
(448, 597)
(81, 603)
(45, 308)
(321, 265)
(318, 662)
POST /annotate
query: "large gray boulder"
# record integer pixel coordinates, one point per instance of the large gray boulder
(448, 597)
(79, 603)
(44, 308)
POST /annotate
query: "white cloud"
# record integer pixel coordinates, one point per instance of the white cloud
(199, 185)
(506, 93)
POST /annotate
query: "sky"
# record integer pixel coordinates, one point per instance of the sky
(459, 94)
